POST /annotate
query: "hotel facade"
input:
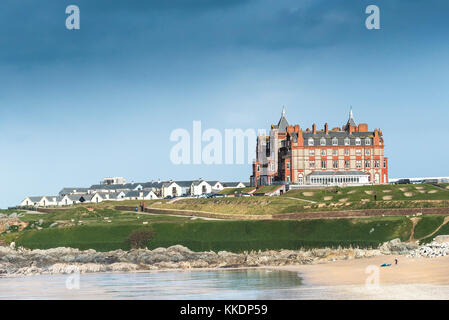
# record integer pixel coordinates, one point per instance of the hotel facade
(350, 155)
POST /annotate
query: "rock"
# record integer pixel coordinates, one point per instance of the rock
(12, 245)
(441, 239)
(54, 224)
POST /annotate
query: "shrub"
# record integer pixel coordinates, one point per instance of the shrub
(140, 238)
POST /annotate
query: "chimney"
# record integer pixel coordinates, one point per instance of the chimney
(314, 128)
(326, 128)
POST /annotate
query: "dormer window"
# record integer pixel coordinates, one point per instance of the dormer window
(358, 141)
(347, 141)
(367, 141)
(310, 142)
(323, 141)
(335, 142)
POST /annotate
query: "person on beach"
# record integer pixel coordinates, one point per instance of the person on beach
(395, 261)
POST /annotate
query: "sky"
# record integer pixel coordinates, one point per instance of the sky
(80, 105)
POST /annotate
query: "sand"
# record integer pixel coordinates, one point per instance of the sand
(352, 272)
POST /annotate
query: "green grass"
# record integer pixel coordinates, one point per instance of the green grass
(266, 189)
(350, 198)
(236, 190)
(233, 236)
(396, 192)
(427, 225)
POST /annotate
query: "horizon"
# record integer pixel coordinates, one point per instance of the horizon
(76, 107)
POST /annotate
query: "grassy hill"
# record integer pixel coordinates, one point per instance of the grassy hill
(102, 227)
(350, 198)
(234, 236)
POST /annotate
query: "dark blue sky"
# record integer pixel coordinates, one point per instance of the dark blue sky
(76, 106)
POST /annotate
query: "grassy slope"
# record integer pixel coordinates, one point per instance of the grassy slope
(236, 190)
(228, 235)
(325, 199)
(427, 225)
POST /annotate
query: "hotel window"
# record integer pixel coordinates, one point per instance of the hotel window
(367, 141)
(323, 164)
(335, 164)
(358, 152)
(367, 164)
(347, 141)
(288, 165)
(312, 164)
(311, 152)
(310, 142)
(258, 168)
(358, 142)
(323, 152)
(347, 164)
(335, 142)
(323, 141)
(367, 152)
(335, 152)
(272, 166)
(346, 152)
(358, 164)
(376, 163)
(385, 163)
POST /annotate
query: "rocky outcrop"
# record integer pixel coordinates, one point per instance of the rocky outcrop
(395, 246)
(68, 260)
(434, 249)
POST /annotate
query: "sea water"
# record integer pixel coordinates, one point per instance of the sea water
(226, 284)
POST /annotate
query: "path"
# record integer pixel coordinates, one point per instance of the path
(178, 215)
(412, 233)
(446, 220)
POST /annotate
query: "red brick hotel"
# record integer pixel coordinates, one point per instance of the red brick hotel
(350, 155)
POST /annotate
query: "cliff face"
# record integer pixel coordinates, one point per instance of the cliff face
(67, 260)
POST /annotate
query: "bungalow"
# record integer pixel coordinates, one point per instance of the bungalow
(233, 185)
(96, 198)
(216, 186)
(31, 201)
(112, 196)
(186, 187)
(141, 195)
(42, 201)
(66, 200)
(171, 189)
(200, 187)
(74, 190)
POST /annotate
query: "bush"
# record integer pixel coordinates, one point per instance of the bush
(140, 238)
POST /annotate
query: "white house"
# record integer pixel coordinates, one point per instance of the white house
(216, 186)
(200, 187)
(30, 201)
(233, 185)
(171, 189)
(150, 195)
(65, 201)
(42, 201)
(141, 195)
(113, 196)
(96, 198)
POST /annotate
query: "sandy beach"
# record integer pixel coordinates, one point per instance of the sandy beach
(411, 278)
